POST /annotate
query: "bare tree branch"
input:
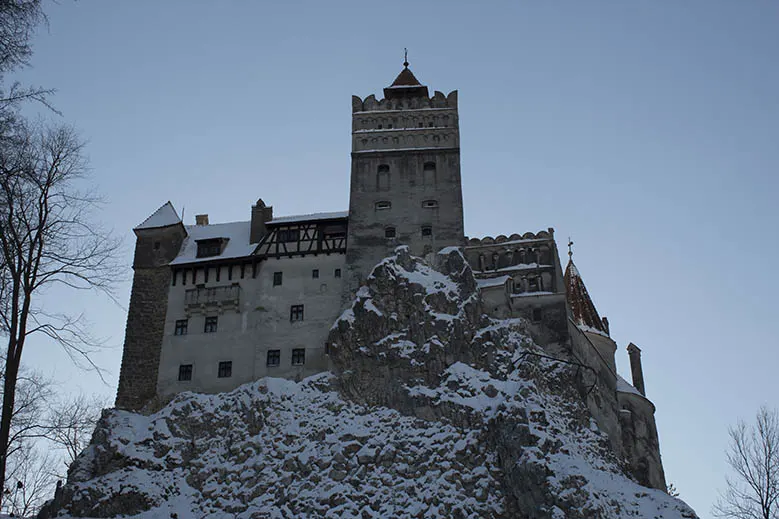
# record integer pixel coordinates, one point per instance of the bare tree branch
(753, 491)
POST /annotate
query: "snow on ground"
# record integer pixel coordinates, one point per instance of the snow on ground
(277, 448)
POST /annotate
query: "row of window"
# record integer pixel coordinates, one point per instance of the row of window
(225, 368)
(386, 204)
(383, 176)
(218, 269)
(425, 230)
(211, 323)
(278, 277)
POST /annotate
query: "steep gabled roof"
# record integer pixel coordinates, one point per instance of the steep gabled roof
(162, 217)
(584, 313)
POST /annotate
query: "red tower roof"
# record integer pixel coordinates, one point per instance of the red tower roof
(584, 312)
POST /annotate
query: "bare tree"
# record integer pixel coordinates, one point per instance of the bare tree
(33, 481)
(48, 237)
(72, 422)
(753, 491)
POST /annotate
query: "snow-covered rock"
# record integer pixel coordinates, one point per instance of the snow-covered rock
(433, 410)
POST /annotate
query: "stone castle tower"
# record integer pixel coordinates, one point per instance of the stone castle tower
(158, 240)
(405, 181)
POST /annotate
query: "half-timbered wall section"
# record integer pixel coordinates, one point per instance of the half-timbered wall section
(321, 234)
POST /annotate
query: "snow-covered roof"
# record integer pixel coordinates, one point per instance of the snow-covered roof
(237, 234)
(623, 386)
(492, 282)
(162, 217)
(309, 217)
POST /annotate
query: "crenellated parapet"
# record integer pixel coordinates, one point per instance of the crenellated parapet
(438, 101)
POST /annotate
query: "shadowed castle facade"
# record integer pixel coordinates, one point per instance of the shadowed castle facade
(214, 306)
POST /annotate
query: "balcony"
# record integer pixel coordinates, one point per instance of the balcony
(220, 298)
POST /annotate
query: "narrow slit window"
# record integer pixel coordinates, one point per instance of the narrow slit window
(337, 273)
(277, 278)
(315, 274)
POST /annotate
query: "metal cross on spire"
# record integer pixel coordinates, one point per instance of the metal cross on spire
(405, 57)
(570, 250)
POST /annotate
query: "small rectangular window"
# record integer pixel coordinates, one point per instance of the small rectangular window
(287, 235)
(181, 327)
(298, 356)
(296, 313)
(225, 369)
(274, 358)
(430, 204)
(210, 325)
(384, 204)
(427, 230)
(185, 372)
(338, 273)
(277, 279)
(315, 273)
(389, 232)
(210, 247)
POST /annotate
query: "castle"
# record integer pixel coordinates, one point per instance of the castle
(214, 306)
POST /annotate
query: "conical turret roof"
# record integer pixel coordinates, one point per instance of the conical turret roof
(584, 313)
(406, 84)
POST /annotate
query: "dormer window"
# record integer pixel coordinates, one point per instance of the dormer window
(384, 204)
(210, 247)
(430, 204)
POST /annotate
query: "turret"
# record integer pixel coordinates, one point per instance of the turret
(158, 241)
(637, 372)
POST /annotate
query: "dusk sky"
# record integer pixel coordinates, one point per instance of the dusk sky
(648, 132)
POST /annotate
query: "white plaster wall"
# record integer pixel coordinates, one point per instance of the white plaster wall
(261, 322)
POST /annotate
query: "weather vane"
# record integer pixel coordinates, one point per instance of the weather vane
(570, 251)
(405, 57)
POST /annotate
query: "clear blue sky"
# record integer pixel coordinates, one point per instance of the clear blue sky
(647, 131)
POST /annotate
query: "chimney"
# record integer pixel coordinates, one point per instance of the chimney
(605, 322)
(201, 219)
(635, 368)
(261, 214)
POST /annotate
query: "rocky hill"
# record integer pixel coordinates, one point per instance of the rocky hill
(432, 410)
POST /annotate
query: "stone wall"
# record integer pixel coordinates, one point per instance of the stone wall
(260, 321)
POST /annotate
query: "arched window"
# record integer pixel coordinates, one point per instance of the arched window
(383, 178)
(389, 232)
(428, 172)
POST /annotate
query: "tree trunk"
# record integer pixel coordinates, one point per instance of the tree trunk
(9, 395)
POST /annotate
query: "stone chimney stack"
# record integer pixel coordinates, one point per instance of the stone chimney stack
(635, 368)
(261, 214)
(201, 219)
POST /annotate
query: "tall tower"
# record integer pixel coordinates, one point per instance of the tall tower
(405, 183)
(158, 240)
